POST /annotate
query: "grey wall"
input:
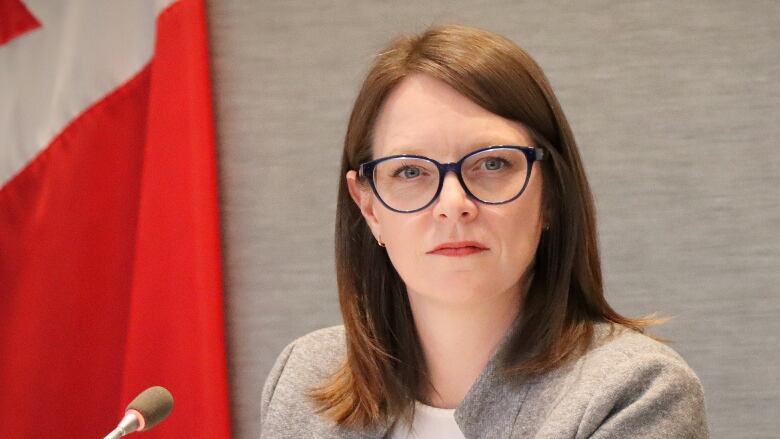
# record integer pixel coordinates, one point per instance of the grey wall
(674, 105)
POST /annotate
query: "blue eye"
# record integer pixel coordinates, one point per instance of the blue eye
(494, 163)
(408, 172)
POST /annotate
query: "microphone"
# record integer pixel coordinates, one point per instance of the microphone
(148, 409)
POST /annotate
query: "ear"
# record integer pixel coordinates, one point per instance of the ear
(363, 196)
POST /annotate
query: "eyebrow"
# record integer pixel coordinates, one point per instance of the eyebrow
(473, 146)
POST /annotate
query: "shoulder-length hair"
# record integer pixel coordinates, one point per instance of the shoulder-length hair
(384, 370)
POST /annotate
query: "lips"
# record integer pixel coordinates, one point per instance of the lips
(462, 248)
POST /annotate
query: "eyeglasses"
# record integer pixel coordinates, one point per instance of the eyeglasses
(491, 175)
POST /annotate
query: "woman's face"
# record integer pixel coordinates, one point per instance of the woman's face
(425, 116)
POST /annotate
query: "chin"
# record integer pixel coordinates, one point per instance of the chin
(456, 289)
(451, 298)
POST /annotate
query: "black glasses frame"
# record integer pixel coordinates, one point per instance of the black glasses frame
(532, 154)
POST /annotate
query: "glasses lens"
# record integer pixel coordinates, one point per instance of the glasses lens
(406, 183)
(495, 175)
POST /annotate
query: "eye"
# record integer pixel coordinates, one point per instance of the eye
(494, 163)
(407, 172)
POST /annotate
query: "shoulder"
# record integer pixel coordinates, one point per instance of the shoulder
(303, 364)
(626, 358)
(307, 359)
(615, 345)
(321, 345)
(630, 384)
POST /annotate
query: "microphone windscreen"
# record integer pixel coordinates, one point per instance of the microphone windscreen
(154, 404)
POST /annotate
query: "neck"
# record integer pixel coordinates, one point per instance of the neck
(458, 340)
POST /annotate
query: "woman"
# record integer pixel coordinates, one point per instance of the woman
(468, 271)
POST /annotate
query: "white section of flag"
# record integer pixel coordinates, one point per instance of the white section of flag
(83, 50)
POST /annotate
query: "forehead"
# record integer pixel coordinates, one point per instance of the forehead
(425, 116)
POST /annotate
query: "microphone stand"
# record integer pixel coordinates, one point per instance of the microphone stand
(127, 425)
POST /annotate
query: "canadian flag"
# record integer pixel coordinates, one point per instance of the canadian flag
(110, 275)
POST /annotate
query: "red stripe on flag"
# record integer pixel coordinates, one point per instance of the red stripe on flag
(176, 329)
(15, 19)
(67, 236)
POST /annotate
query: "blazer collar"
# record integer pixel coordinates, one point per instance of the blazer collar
(491, 395)
(483, 402)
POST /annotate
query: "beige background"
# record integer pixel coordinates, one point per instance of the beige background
(675, 106)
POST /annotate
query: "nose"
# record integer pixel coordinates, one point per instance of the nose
(453, 202)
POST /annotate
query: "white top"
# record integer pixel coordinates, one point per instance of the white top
(429, 423)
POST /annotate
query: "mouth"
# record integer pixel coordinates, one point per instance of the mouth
(463, 248)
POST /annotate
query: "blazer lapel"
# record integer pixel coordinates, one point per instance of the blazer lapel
(491, 405)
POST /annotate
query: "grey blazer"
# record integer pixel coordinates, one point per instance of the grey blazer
(626, 386)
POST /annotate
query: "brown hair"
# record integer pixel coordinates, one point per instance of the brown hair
(384, 370)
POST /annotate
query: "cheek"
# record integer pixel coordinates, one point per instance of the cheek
(405, 237)
(517, 233)
(402, 234)
(521, 240)
(518, 228)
